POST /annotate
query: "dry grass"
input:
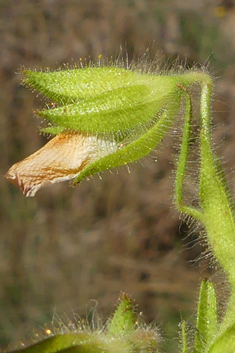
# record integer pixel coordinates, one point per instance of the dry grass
(68, 246)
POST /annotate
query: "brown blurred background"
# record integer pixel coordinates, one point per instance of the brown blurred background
(69, 246)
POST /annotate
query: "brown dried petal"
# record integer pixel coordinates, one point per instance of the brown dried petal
(60, 159)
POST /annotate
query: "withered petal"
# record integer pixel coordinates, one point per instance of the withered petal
(62, 158)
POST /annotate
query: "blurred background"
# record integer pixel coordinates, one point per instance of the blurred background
(69, 250)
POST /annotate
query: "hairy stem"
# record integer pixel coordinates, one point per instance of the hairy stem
(216, 205)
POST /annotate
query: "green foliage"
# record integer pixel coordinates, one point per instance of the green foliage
(224, 342)
(121, 335)
(132, 111)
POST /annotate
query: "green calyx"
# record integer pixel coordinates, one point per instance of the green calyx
(103, 100)
(133, 110)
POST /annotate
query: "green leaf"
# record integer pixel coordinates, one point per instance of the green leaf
(224, 343)
(207, 324)
(59, 343)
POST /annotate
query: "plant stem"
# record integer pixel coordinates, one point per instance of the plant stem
(216, 205)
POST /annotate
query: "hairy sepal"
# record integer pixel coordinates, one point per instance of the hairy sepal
(74, 85)
(136, 149)
(117, 112)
